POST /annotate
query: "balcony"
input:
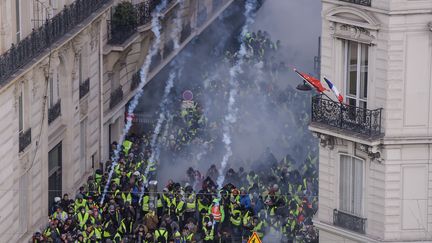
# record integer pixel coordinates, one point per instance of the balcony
(24, 140)
(349, 222)
(42, 38)
(185, 33)
(84, 88)
(125, 21)
(54, 112)
(136, 79)
(116, 97)
(348, 119)
(359, 2)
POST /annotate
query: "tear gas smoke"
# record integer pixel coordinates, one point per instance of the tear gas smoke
(163, 115)
(155, 27)
(273, 117)
(230, 117)
(178, 23)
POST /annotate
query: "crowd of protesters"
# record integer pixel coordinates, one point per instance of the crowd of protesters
(277, 200)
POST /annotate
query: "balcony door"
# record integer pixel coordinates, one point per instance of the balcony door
(356, 73)
(54, 174)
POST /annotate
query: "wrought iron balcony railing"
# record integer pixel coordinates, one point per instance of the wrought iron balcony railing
(84, 88)
(24, 140)
(360, 2)
(348, 221)
(116, 97)
(185, 33)
(168, 48)
(136, 79)
(346, 117)
(54, 112)
(119, 33)
(42, 38)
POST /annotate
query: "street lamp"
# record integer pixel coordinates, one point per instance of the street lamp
(304, 86)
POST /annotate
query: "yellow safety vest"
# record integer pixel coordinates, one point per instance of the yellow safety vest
(236, 221)
(209, 235)
(258, 229)
(201, 206)
(161, 232)
(179, 208)
(127, 146)
(127, 197)
(190, 205)
(82, 220)
(145, 204)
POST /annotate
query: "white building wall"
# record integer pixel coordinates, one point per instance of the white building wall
(398, 188)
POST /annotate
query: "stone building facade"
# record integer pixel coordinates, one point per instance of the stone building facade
(375, 155)
(64, 84)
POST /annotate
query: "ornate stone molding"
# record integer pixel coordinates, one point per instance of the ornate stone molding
(373, 152)
(94, 36)
(326, 141)
(353, 24)
(355, 33)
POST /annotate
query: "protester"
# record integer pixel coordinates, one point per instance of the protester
(277, 196)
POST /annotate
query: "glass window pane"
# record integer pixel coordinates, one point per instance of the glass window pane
(51, 92)
(20, 113)
(58, 88)
(351, 102)
(345, 187)
(358, 186)
(351, 185)
(363, 104)
(18, 20)
(353, 83)
(80, 67)
(353, 46)
(364, 71)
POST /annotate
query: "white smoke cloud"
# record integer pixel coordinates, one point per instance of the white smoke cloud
(155, 27)
(230, 117)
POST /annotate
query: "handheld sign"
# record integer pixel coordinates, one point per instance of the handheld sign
(254, 238)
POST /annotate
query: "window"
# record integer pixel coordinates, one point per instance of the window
(83, 144)
(20, 113)
(351, 185)
(54, 90)
(356, 73)
(80, 68)
(18, 19)
(54, 174)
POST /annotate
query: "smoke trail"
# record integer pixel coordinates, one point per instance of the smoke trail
(178, 25)
(155, 27)
(155, 149)
(163, 114)
(231, 115)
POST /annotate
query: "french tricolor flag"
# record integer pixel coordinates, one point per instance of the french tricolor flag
(335, 90)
